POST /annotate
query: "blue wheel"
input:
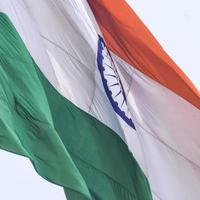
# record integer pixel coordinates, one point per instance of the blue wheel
(111, 82)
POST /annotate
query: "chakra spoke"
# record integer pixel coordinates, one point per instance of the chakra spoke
(110, 75)
(115, 84)
(118, 93)
(108, 66)
(123, 102)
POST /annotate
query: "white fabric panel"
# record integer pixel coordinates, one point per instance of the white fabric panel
(169, 129)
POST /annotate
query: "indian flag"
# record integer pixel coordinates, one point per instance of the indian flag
(92, 99)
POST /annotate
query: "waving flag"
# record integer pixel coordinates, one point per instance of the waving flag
(92, 99)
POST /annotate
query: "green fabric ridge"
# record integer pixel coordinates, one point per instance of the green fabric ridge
(66, 145)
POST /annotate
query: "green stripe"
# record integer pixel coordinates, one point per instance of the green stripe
(66, 145)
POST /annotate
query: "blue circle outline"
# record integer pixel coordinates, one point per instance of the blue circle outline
(101, 68)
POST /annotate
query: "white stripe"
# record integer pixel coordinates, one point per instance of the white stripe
(169, 134)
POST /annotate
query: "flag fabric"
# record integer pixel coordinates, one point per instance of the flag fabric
(66, 145)
(89, 95)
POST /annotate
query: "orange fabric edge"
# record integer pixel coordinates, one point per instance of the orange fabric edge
(128, 38)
